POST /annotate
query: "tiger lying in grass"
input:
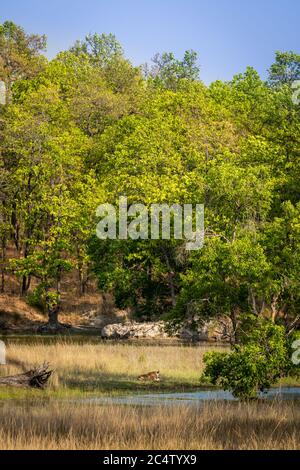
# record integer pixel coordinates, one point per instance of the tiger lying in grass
(154, 376)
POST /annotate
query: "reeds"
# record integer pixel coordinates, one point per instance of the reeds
(215, 425)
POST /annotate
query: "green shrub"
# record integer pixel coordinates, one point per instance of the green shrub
(262, 357)
(36, 298)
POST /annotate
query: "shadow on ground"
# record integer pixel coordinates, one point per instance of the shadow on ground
(121, 383)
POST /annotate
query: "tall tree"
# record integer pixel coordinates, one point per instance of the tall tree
(286, 69)
(20, 54)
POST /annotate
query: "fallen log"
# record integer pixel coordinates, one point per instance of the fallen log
(35, 378)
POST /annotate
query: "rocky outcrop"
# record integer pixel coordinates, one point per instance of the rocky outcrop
(112, 318)
(211, 330)
(134, 330)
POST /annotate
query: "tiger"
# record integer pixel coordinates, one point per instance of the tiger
(154, 375)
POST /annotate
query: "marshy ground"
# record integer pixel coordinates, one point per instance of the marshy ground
(58, 418)
(105, 368)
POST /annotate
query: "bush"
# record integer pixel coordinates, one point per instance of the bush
(36, 298)
(262, 357)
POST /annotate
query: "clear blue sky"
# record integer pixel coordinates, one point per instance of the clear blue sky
(227, 34)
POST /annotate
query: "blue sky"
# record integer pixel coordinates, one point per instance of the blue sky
(227, 34)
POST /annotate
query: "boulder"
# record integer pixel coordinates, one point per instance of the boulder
(208, 330)
(115, 317)
(217, 329)
(134, 330)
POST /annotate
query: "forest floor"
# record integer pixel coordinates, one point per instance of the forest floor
(20, 314)
(17, 315)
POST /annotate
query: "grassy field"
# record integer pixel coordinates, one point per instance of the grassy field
(216, 425)
(51, 419)
(105, 368)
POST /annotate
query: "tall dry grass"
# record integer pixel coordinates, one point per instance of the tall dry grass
(271, 425)
(42, 422)
(95, 365)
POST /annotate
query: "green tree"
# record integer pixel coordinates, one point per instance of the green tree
(20, 54)
(168, 71)
(258, 362)
(101, 49)
(286, 68)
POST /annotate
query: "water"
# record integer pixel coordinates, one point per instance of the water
(191, 398)
(187, 398)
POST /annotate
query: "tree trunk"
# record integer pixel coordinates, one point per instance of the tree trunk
(26, 280)
(53, 315)
(274, 308)
(82, 281)
(52, 301)
(172, 288)
(170, 279)
(35, 378)
(3, 258)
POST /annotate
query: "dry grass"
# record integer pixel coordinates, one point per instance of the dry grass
(109, 367)
(217, 425)
(46, 421)
(18, 314)
(15, 311)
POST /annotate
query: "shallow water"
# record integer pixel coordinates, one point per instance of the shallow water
(191, 398)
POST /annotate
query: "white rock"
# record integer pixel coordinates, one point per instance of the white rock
(134, 330)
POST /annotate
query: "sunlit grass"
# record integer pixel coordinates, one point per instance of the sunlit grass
(214, 425)
(54, 419)
(106, 368)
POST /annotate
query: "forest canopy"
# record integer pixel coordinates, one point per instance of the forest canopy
(87, 127)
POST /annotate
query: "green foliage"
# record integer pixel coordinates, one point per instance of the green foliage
(169, 71)
(141, 274)
(261, 358)
(286, 68)
(87, 127)
(101, 49)
(36, 298)
(19, 54)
